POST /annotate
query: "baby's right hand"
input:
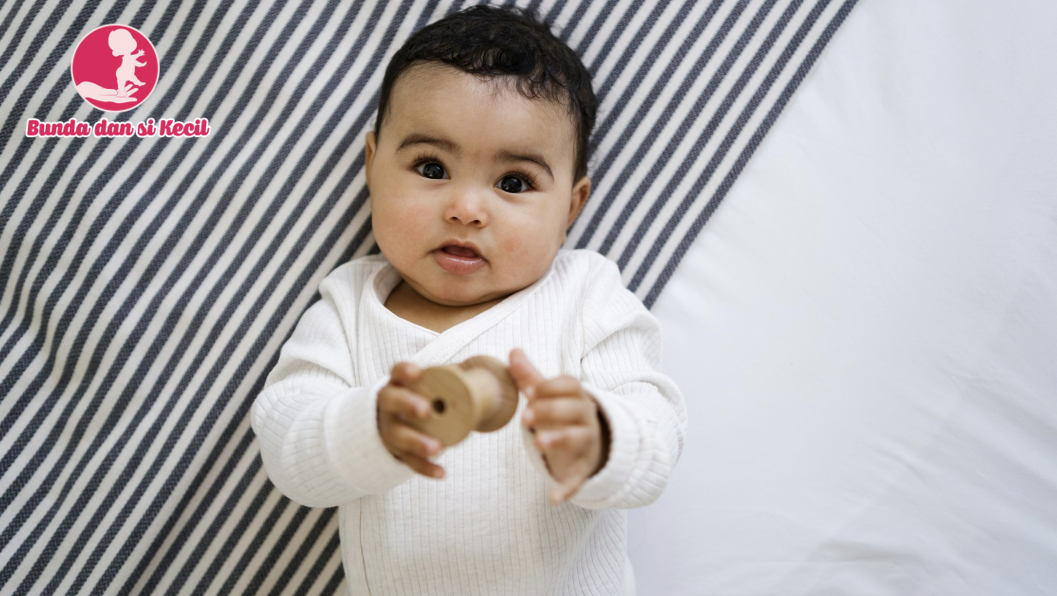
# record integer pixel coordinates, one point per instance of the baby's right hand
(396, 405)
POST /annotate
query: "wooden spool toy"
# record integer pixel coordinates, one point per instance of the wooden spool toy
(477, 394)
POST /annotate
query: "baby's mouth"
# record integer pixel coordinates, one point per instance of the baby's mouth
(459, 260)
(461, 251)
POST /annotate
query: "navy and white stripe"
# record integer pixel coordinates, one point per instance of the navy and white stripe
(146, 284)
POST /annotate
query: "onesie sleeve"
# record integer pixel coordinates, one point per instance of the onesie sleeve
(643, 408)
(317, 427)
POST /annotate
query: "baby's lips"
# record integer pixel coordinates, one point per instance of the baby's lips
(464, 249)
(459, 260)
(461, 251)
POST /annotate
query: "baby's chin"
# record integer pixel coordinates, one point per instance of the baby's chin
(454, 299)
(464, 291)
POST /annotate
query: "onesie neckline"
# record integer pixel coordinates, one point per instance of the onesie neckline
(385, 279)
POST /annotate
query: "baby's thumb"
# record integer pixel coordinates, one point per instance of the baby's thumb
(521, 370)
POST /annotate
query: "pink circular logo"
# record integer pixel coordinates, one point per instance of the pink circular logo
(115, 68)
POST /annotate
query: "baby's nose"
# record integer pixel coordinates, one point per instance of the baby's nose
(467, 207)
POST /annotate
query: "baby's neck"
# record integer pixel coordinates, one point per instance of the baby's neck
(409, 305)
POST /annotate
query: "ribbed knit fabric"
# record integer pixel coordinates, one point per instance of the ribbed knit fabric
(487, 528)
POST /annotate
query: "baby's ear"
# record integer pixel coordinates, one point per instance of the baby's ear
(369, 145)
(581, 190)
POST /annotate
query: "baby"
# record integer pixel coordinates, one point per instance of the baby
(123, 44)
(476, 168)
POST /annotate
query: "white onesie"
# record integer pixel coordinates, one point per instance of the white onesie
(487, 528)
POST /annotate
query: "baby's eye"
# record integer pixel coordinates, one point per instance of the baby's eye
(431, 170)
(512, 184)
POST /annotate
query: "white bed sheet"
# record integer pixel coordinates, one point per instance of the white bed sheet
(866, 330)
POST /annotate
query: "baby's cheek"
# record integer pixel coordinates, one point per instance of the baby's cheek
(528, 255)
(516, 245)
(400, 217)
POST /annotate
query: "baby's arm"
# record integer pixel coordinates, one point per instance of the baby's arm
(317, 425)
(569, 431)
(642, 409)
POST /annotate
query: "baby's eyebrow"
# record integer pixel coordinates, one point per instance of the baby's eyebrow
(422, 139)
(529, 157)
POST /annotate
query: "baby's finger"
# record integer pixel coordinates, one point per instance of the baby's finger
(563, 386)
(572, 440)
(565, 490)
(543, 413)
(406, 440)
(404, 373)
(422, 466)
(523, 372)
(402, 402)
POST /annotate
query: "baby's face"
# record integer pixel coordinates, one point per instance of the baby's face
(472, 185)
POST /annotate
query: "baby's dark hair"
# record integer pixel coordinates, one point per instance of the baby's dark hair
(503, 42)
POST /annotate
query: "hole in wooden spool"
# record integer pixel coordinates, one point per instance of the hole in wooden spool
(438, 405)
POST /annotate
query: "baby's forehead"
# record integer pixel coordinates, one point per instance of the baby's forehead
(512, 93)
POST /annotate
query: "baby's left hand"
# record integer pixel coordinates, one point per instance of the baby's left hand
(567, 425)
